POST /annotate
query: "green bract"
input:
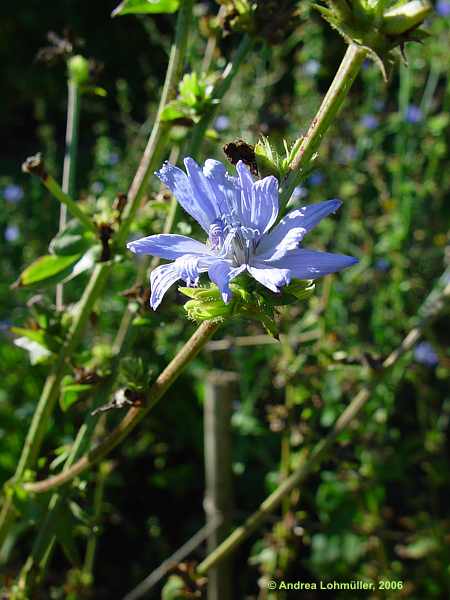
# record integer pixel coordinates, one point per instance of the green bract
(259, 304)
(380, 26)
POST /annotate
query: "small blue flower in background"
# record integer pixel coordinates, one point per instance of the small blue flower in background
(413, 114)
(424, 353)
(12, 233)
(113, 159)
(221, 123)
(238, 216)
(348, 154)
(97, 187)
(312, 67)
(383, 265)
(13, 193)
(299, 193)
(316, 178)
(370, 121)
(443, 8)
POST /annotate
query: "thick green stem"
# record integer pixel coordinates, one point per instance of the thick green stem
(167, 377)
(70, 162)
(301, 163)
(430, 308)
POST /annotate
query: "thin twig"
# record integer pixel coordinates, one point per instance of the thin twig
(151, 580)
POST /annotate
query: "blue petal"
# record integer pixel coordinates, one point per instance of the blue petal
(264, 203)
(225, 189)
(291, 230)
(169, 246)
(221, 273)
(259, 200)
(271, 277)
(187, 267)
(246, 181)
(310, 264)
(161, 279)
(196, 205)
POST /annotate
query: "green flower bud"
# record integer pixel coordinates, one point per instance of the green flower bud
(401, 19)
(378, 29)
(248, 301)
(78, 69)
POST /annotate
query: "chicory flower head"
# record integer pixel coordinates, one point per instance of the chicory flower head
(238, 216)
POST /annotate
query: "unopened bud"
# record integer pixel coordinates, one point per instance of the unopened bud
(78, 69)
(401, 19)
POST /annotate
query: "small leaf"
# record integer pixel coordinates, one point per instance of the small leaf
(70, 241)
(47, 269)
(172, 111)
(129, 7)
(37, 352)
(72, 394)
(36, 335)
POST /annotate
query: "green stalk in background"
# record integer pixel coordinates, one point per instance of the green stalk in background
(40, 421)
(78, 73)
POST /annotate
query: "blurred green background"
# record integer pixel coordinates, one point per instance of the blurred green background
(378, 508)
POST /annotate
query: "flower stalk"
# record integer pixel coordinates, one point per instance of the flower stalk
(307, 149)
(70, 160)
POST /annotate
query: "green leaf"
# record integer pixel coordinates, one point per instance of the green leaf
(173, 589)
(71, 393)
(134, 7)
(47, 269)
(70, 241)
(174, 110)
(38, 353)
(36, 335)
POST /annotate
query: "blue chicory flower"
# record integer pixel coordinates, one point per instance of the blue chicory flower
(13, 193)
(316, 178)
(221, 123)
(443, 8)
(369, 121)
(312, 67)
(238, 216)
(299, 193)
(413, 114)
(425, 354)
(12, 233)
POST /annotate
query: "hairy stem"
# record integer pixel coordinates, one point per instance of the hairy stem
(430, 309)
(309, 144)
(135, 414)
